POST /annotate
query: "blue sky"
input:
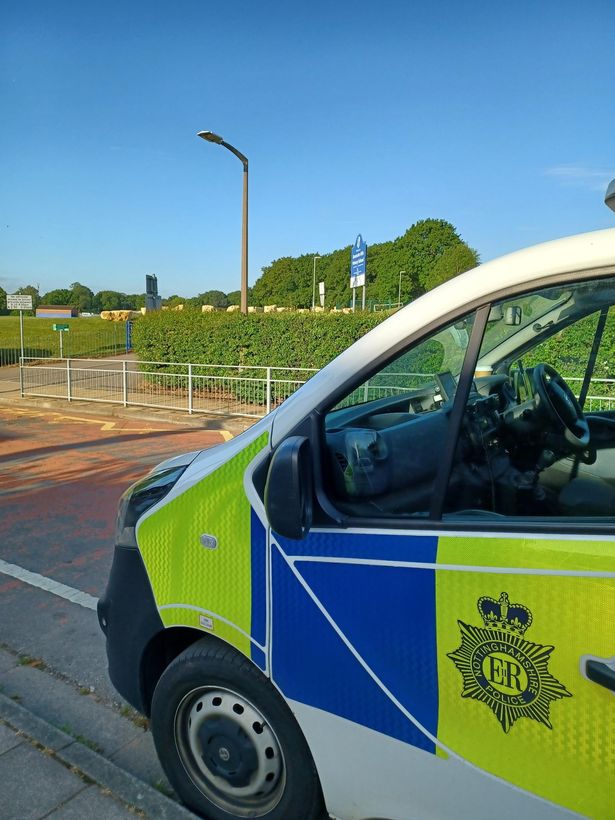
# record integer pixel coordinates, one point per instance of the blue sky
(355, 116)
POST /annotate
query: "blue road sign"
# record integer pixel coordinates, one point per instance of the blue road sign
(358, 262)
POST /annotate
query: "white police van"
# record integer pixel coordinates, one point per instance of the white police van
(394, 597)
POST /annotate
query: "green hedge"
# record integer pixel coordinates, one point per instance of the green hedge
(301, 340)
(304, 340)
(568, 351)
(297, 340)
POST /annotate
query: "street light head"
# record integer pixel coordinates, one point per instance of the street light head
(210, 137)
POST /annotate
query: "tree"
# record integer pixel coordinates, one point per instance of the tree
(454, 260)
(81, 297)
(110, 300)
(2, 300)
(135, 301)
(422, 245)
(211, 297)
(175, 300)
(234, 297)
(60, 296)
(288, 281)
(30, 290)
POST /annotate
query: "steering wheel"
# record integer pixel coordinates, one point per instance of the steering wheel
(558, 401)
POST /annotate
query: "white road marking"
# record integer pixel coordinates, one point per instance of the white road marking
(75, 596)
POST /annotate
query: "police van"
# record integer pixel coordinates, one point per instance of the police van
(394, 596)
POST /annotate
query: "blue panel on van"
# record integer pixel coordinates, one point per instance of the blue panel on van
(258, 656)
(258, 537)
(311, 664)
(387, 613)
(374, 545)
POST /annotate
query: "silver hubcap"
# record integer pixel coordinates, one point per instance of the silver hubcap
(229, 751)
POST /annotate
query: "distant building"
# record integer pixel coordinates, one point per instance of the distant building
(56, 312)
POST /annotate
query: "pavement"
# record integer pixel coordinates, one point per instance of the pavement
(50, 768)
(67, 751)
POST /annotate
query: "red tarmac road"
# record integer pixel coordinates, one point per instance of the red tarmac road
(61, 476)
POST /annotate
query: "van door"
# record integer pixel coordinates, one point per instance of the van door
(452, 646)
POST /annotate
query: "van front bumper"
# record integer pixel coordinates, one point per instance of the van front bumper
(129, 618)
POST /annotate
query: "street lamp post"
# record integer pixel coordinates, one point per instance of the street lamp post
(211, 137)
(399, 291)
(314, 282)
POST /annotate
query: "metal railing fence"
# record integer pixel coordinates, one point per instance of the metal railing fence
(603, 390)
(219, 389)
(383, 385)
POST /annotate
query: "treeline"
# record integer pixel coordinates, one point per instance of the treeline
(81, 297)
(86, 301)
(429, 252)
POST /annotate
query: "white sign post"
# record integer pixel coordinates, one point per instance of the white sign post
(20, 302)
(321, 293)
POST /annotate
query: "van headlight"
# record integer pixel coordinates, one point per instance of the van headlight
(140, 497)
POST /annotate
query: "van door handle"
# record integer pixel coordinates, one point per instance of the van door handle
(601, 674)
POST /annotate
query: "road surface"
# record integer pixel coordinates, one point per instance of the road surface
(61, 476)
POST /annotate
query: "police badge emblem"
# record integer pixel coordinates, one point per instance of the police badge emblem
(502, 669)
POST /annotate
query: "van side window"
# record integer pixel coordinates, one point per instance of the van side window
(537, 439)
(384, 438)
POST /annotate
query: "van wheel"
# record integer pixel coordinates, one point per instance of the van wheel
(228, 742)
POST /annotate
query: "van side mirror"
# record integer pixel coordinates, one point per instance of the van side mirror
(288, 490)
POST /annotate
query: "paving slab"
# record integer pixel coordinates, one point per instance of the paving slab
(25, 776)
(124, 785)
(48, 768)
(84, 717)
(32, 726)
(8, 738)
(139, 758)
(34, 783)
(7, 661)
(93, 802)
(65, 707)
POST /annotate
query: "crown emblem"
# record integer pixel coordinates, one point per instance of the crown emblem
(502, 614)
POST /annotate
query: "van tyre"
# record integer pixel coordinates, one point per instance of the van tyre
(228, 742)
